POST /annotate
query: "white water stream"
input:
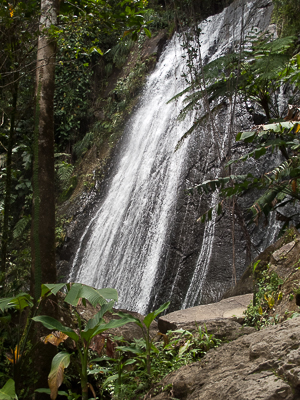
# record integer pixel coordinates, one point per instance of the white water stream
(130, 227)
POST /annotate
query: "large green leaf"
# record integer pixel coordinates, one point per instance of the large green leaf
(94, 296)
(114, 323)
(279, 125)
(135, 320)
(98, 317)
(73, 295)
(52, 288)
(53, 324)
(108, 293)
(151, 316)
(8, 391)
(246, 136)
(92, 326)
(110, 379)
(19, 302)
(56, 375)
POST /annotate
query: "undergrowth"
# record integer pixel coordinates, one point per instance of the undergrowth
(125, 375)
(267, 292)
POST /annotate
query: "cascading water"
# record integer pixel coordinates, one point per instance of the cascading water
(136, 242)
(130, 228)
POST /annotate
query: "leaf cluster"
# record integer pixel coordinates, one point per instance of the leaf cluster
(255, 73)
(267, 293)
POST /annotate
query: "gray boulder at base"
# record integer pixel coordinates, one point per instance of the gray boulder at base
(263, 365)
(223, 319)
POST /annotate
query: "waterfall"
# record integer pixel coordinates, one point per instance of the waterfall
(131, 226)
(129, 242)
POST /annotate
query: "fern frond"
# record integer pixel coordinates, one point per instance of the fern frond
(82, 147)
(20, 226)
(64, 172)
(276, 46)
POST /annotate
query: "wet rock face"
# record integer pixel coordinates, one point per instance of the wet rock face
(197, 265)
(262, 365)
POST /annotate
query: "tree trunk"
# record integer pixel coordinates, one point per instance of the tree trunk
(43, 217)
(43, 226)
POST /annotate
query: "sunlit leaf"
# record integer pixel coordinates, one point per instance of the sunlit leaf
(56, 375)
(148, 33)
(19, 302)
(8, 392)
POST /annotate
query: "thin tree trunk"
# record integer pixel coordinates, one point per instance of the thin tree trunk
(43, 226)
(7, 200)
(233, 242)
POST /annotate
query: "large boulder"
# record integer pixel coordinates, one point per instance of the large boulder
(223, 319)
(263, 365)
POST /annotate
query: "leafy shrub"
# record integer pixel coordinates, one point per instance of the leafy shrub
(177, 348)
(266, 294)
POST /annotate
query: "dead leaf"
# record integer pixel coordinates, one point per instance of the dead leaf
(293, 113)
(54, 338)
(92, 390)
(97, 344)
(110, 348)
(165, 337)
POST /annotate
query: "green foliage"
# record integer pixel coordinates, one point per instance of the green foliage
(267, 292)
(18, 302)
(84, 334)
(21, 225)
(177, 349)
(125, 372)
(255, 74)
(121, 50)
(71, 102)
(284, 16)
(15, 348)
(146, 333)
(8, 391)
(64, 172)
(82, 146)
(120, 102)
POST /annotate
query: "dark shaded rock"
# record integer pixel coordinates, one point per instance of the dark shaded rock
(155, 45)
(279, 250)
(259, 119)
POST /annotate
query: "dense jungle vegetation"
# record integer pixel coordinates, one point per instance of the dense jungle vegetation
(91, 41)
